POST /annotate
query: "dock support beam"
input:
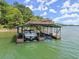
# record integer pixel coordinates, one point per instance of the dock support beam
(17, 29)
(56, 33)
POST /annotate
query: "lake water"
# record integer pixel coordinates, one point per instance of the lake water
(66, 48)
(69, 44)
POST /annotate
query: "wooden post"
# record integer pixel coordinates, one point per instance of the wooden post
(17, 29)
(56, 32)
(60, 32)
(43, 29)
(47, 30)
(21, 29)
(52, 30)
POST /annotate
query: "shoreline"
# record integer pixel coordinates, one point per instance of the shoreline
(7, 30)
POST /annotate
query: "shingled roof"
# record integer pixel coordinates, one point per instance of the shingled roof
(43, 22)
(46, 23)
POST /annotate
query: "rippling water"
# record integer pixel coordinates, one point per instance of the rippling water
(66, 48)
(70, 42)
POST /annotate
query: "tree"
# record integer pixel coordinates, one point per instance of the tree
(14, 16)
(36, 18)
(21, 7)
(26, 11)
(17, 14)
(10, 16)
(3, 11)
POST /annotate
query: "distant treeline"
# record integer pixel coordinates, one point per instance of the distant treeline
(69, 25)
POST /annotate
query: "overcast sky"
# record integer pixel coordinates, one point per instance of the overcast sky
(62, 11)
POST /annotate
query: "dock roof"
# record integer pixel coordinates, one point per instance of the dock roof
(46, 23)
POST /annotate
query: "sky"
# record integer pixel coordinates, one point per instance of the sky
(61, 11)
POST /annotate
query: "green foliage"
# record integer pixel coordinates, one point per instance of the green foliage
(11, 16)
(0, 14)
(36, 18)
(1, 26)
(21, 7)
(14, 16)
(26, 12)
(3, 11)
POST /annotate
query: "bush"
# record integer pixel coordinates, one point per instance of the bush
(1, 26)
(8, 26)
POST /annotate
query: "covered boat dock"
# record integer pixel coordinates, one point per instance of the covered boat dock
(44, 28)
